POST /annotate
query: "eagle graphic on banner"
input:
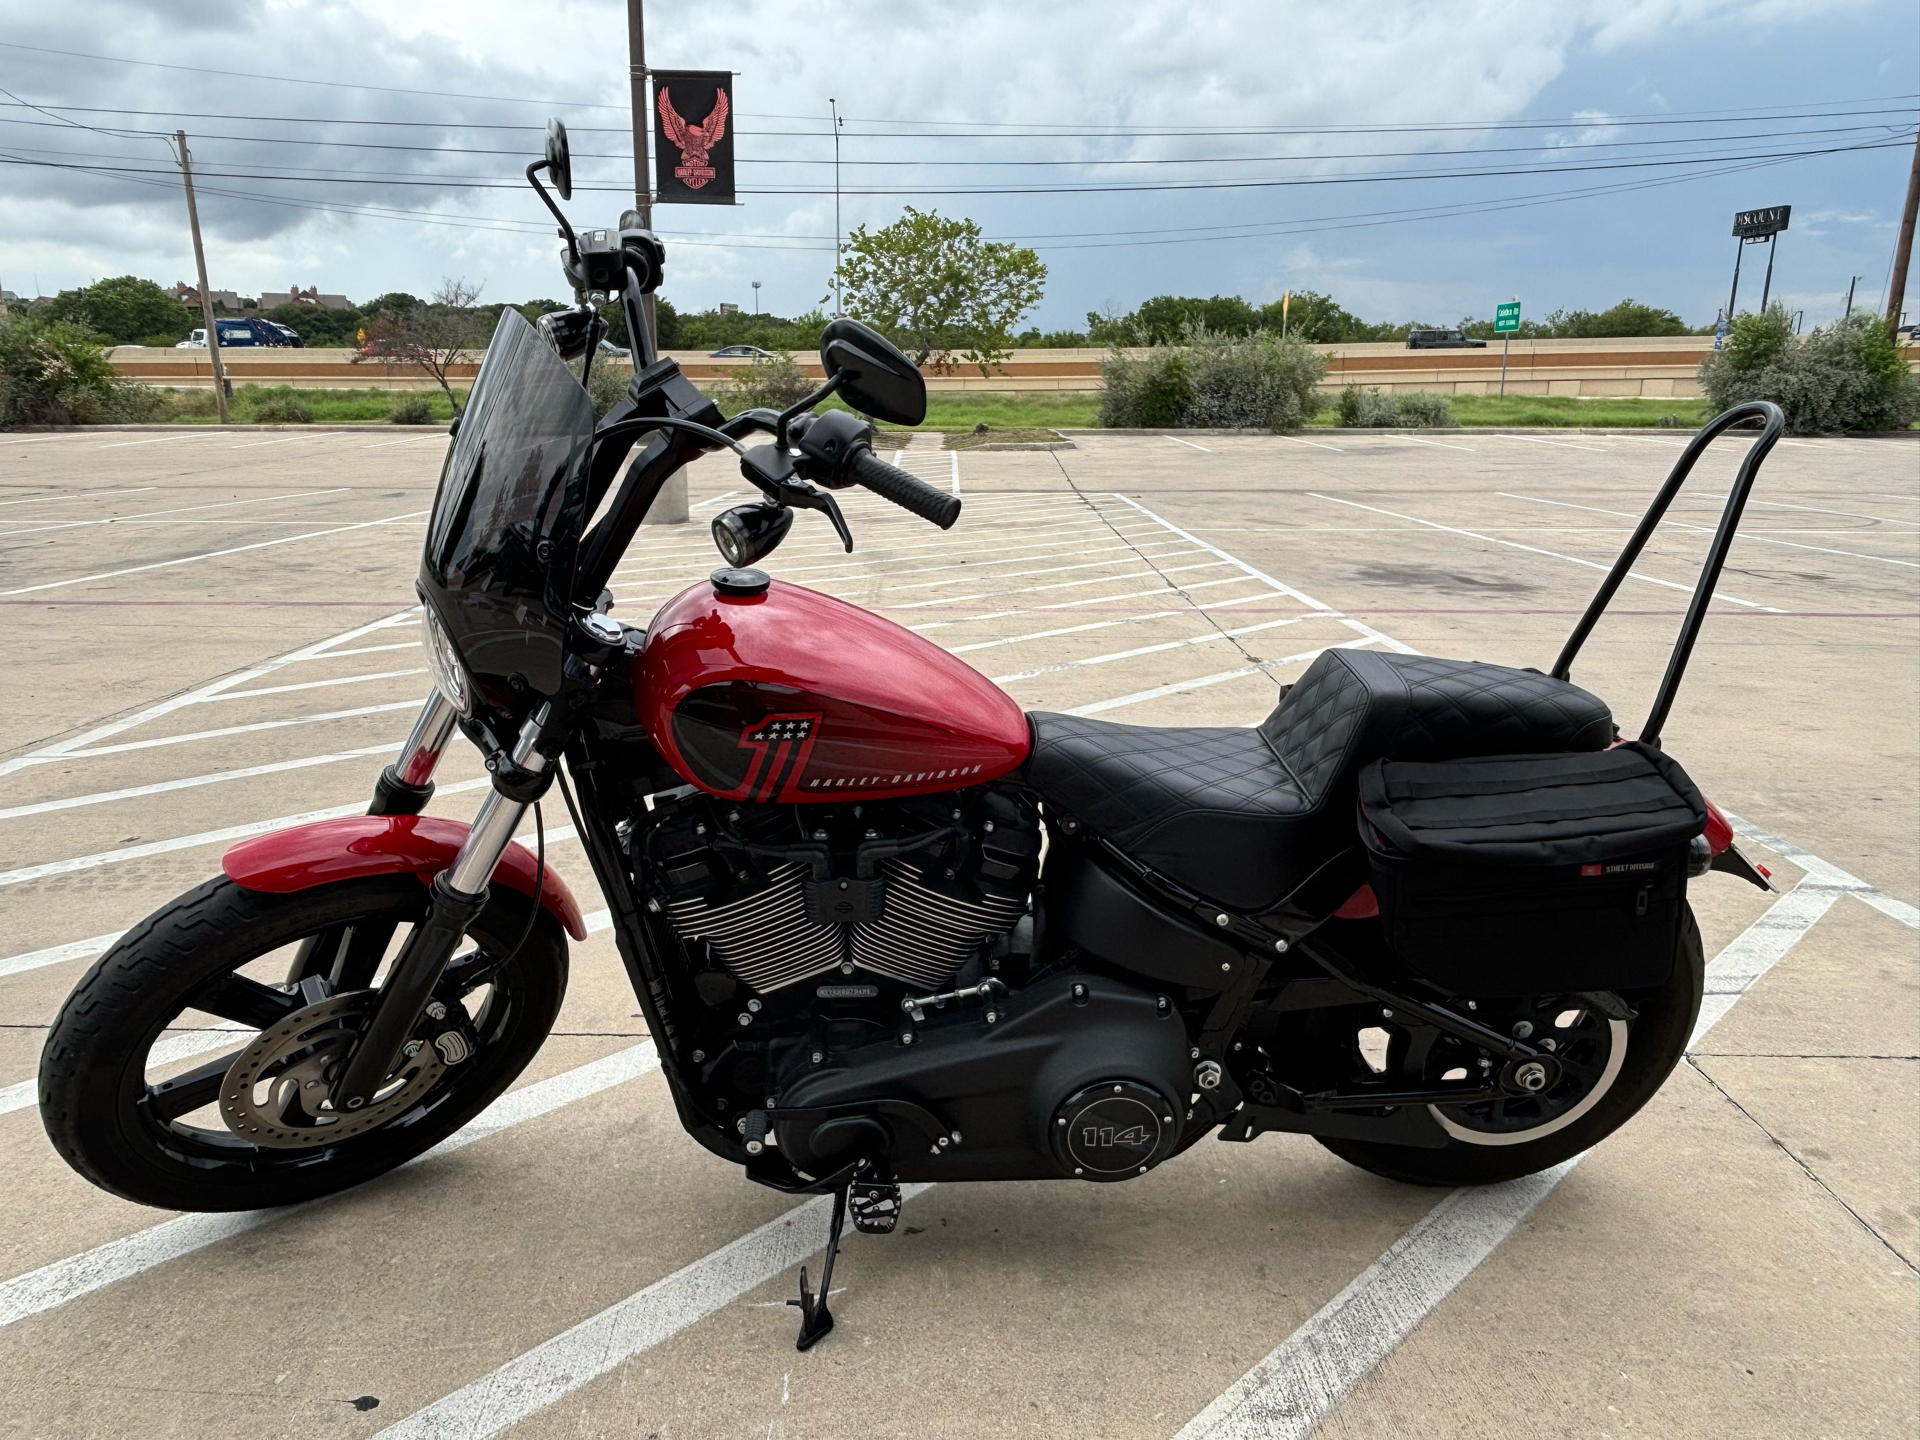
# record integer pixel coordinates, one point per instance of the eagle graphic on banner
(694, 141)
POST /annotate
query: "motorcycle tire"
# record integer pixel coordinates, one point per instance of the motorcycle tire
(1656, 1041)
(106, 1120)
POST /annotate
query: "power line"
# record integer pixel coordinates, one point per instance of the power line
(1312, 157)
(1064, 132)
(1123, 187)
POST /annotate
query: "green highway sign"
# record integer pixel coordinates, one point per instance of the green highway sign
(1506, 318)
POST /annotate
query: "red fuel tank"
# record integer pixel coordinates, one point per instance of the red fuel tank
(793, 695)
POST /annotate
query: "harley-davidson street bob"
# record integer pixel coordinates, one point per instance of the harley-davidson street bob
(883, 926)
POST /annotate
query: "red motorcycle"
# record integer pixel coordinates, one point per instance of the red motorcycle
(883, 926)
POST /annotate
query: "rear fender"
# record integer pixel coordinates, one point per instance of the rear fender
(356, 846)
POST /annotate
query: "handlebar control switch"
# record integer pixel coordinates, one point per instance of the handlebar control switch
(830, 443)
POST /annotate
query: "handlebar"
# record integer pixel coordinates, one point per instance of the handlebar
(906, 490)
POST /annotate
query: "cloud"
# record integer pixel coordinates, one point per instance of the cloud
(989, 64)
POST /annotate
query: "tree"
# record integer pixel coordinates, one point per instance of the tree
(1843, 376)
(432, 336)
(127, 310)
(1319, 320)
(934, 284)
(1629, 317)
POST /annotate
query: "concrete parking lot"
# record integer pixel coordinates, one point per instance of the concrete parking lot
(209, 635)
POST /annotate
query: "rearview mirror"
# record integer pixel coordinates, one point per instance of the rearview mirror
(875, 378)
(559, 161)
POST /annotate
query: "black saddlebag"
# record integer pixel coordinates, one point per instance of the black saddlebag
(1513, 875)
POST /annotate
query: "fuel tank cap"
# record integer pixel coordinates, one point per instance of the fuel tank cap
(740, 582)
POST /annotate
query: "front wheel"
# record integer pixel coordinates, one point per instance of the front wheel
(280, 986)
(1609, 1069)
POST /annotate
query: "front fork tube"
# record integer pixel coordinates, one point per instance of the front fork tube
(458, 894)
(406, 785)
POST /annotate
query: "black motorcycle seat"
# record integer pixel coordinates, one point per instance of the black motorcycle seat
(1241, 815)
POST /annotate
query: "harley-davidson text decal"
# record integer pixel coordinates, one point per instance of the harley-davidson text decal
(904, 777)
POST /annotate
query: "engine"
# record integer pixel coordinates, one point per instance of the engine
(909, 891)
(864, 975)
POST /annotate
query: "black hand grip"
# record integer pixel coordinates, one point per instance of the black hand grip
(907, 491)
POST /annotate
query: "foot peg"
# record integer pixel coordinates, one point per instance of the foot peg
(875, 1208)
(816, 1321)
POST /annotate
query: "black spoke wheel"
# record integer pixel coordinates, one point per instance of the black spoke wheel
(222, 972)
(1601, 1072)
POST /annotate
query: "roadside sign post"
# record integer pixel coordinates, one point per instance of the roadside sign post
(1750, 227)
(1506, 320)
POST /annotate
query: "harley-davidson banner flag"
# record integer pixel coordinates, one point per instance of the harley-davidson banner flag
(693, 137)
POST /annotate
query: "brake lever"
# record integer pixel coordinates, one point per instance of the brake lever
(818, 499)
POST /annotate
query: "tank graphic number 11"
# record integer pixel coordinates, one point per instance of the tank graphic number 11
(781, 744)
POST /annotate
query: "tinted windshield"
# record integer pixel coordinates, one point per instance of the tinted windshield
(506, 521)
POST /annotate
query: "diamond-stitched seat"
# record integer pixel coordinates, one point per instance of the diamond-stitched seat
(1243, 815)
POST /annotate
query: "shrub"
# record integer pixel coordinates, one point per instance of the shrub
(1843, 376)
(1147, 393)
(280, 407)
(770, 384)
(607, 384)
(1260, 382)
(1366, 409)
(194, 403)
(54, 372)
(414, 410)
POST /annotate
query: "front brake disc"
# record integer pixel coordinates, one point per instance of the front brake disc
(275, 1093)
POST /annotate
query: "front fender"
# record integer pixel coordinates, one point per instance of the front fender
(356, 846)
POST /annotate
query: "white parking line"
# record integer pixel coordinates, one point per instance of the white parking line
(107, 797)
(1849, 514)
(1180, 687)
(64, 1280)
(1188, 443)
(192, 736)
(1442, 444)
(164, 1052)
(1296, 440)
(58, 954)
(1210, 638)
(1551, 554)
(1562, 444)
(1289, 1393)
(1261, 575)
(209, 555)
(1708, 530)
(312, 684)
(85, 740)
(205, 837)
(530, 1382)
(208, 434)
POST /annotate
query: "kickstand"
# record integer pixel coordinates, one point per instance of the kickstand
(816, 1321)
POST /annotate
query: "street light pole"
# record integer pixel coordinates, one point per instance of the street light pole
(206, 295)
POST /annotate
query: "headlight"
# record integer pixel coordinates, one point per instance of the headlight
(443, 661)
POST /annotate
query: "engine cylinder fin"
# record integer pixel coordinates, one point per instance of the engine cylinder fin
(926, 935)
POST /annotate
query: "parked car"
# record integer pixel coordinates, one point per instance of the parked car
(742, 352)
(1442, 340)
(240, 334)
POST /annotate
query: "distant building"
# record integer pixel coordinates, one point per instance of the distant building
(309, 297)
(228, 300)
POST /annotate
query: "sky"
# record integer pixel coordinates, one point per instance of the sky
(1237, 148)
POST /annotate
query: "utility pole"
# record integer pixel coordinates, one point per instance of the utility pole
(1852, 280)
(670, 505)
(206, 295)
(834, 113)
(642, 180)
(1903, 248)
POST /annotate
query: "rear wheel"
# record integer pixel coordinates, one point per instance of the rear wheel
(1606, 1070)
(274, 988)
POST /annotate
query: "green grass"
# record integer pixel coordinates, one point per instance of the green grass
(1548, 410)
(1001, 410)
(328, 407)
